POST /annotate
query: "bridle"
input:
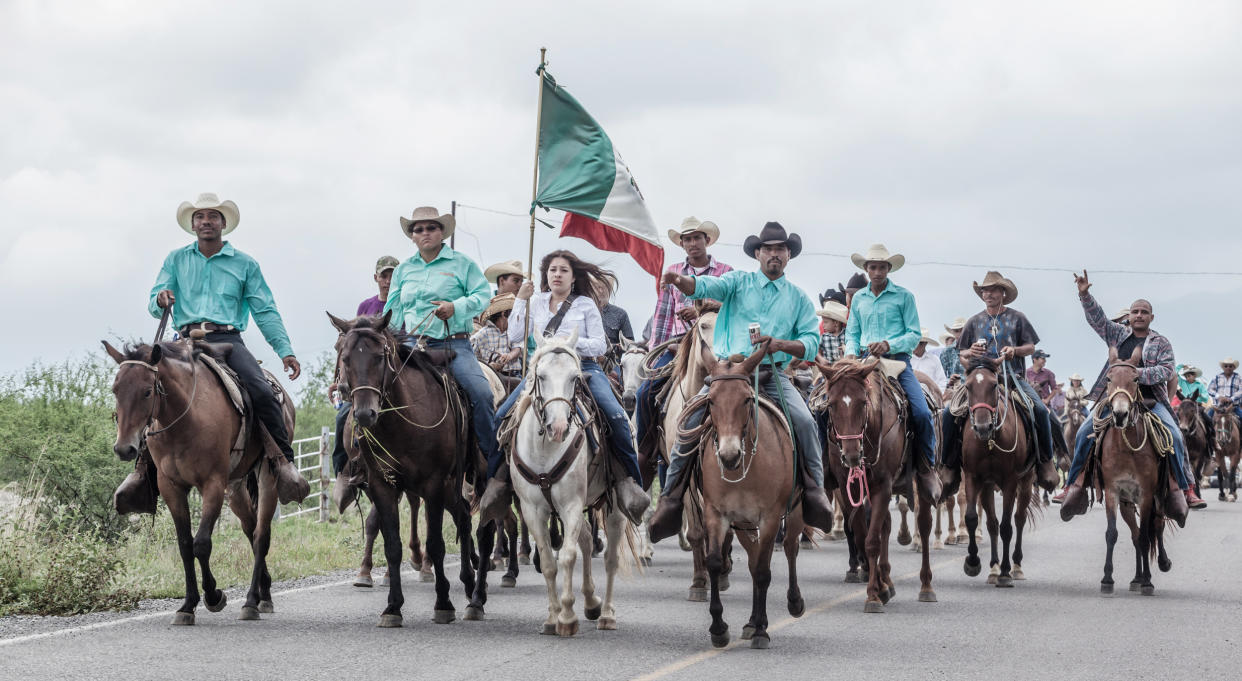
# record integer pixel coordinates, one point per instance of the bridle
(160, 392)
(386, 380)
(752, 423)
(541, 403)
(999, 416)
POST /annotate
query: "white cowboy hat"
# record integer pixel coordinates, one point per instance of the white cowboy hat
(494, 272)
(1075, 376)
(1124, 313)
(1229, 361)
(955, 327)
(833, 310)
(946, 337)
(878, 253)
(995, 279)
(208, 201)
(691, 225)
(926, 338)
(446, 220)
(1190, 370)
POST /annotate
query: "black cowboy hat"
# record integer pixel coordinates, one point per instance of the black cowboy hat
(773, 233)
(857, 282)
(832, 294)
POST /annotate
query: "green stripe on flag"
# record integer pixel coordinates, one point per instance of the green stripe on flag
(577, 165)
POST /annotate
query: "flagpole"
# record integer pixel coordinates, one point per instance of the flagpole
(534, 193)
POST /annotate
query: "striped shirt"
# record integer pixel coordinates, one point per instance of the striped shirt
(666, 324)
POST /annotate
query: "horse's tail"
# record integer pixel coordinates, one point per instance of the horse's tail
(629, 546)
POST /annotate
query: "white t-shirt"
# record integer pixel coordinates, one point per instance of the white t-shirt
(582, 315)
(930, 365)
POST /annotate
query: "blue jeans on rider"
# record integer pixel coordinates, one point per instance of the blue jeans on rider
(1082, 445)
(466, 370)
(621, 439)
(1043, 422)
(339, 456)
(1237, 411)
(643, 401)
(920, 414)
(806, 433)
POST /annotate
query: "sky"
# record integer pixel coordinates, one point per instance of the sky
(1057, 135)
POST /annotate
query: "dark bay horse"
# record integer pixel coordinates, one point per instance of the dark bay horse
(865, 457)
(747, 482)
(171, 403)
(412, 438)
(1192, 422)
(996, 456)
(1228, 450)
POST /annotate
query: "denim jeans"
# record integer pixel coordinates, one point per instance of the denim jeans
(1043, 420)
(621, 439)
(466, 371)
(920, 414)
(339, 456)
(645, 397)
(1082, 444)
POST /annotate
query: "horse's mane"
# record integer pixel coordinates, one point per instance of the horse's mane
(689, 343)
(980, 363)
(140, 352)
(557, 344)
(849, 369)
(406, 355)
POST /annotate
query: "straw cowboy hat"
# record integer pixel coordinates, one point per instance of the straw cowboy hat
(1075, 376)
(446, 220)
(831, 309)
(878, 253)
(501, 303)
(1190, 370)
(773, 233)
(955, 327)
(502, 268)
(208, 201)
(946, 338)
(1229, 361)
(1122, 314)
(691, 225)
(926, 338)
(995, 279)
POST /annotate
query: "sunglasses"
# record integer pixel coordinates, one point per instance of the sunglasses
(420, 230)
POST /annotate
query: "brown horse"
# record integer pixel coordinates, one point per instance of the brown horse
(1192, 422)
(1228, 450)
(866, 436)
(996, 456)
(1130, 474)
(1072, 422)
(413, 437)
(169, 402)
(747, 481)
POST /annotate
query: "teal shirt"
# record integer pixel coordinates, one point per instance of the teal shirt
(449, 276)
(891, 316)
(782, 310)
(227, 288)
(1188, 389)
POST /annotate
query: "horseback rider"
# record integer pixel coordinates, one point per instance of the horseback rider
(435, 295)
(1226, 388)
(507, 276)
(884, 322)
(833, 315)
(1041, 377)
(929, 363)
(1191, 386)
(785, 315)
(1001, 331)
(573, 293)
(491, 343)
(950, 360)
(674, 315)
(217, 288)
(1153, 375)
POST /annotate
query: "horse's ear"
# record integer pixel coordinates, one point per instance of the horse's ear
(1112, 355)
(340, 324)
(157, 353)
(996, 363)
(752, 362)
(709, 357)
(386, 320)
(1136, 356)
(822, 364)
(573, 338)
(539, 342)
(1194, 396)
(625, 342)
(115, 354)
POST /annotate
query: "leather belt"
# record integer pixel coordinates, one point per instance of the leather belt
(454, 336)
(207, 327)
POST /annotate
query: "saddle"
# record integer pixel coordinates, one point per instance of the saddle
(214, 356)
(1093, 469)
(960, 409)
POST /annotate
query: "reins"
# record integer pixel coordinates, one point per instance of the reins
(162, 393)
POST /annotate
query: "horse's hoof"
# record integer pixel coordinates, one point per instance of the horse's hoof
(697, 594)
(1233, 497)
(548, 629)
(1106, 589)
(937, 545)
(873, 607)
(389, 621)
(927, 596)
(384, 581)
(950, 541)
(838, 535)
(1148, 590)
(1221, 496)
(685, 543)
(566, 630)
(1134, 586)
(444, 616)
(797, 607)
(224, 600)
(748, 631)
(646, 561)
(1004, 582)
(498, 563)
(916, 547)
(972, 569)
(722, 582)
(887, 594)
(364, 580)
(1018, 574)
(524, 559)
(266, 607)
(423, 576)
(508, 582)
(851, 577)
(182, 619)
(248, 613)
(720, 640)
(992, 579)
(760, 642)
(1165, 564)
(904, 538)
(606, 624)
(474, 613)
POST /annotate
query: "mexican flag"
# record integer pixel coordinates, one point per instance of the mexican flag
(582, 174)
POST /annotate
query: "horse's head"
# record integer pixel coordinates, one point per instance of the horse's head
(1187, 416)
(1123, 387)
(732, 402)
(555, 370)
(847, 385)
(982, 386)
(366, 358)
(631, 371)
(137, 389)
(1224, 432)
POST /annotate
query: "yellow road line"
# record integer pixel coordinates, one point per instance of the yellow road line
(692, 660)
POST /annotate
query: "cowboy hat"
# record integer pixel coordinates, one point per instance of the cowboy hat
(832, 294)
(691, 225)
(1191, 370)
(947, 338)
(500, 269)
(926, 338)
(878, 253)
(995, 279)
(773, 233)
(956, 326)
(857, 282)
(1075, 376)
(208, 201)
(428, 213)
(1229, 361)
(498, 304)
(831, 309)
(1124, 313)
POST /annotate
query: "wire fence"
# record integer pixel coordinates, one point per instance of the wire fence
(313, 458)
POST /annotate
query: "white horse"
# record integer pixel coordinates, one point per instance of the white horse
(551, 444)
(632, 376)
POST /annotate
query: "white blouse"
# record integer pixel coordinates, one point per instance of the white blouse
(582, 315)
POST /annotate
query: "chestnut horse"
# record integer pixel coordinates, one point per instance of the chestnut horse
(996, 456)
(866, 429)
(172, 404)
(746, 475)
(1228, 450)
(413, 437)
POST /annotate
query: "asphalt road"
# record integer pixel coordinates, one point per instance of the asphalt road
(1054, 625)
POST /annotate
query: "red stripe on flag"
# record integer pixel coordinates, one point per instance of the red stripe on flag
(648, 256)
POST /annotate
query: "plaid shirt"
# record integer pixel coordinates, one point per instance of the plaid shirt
(1226, 386)
(489, 343)
(832, 345)
(1158, 362)
(666, 324)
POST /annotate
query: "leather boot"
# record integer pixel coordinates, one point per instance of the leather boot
(1193, 499)
(1175, 507)
(497, 497)
(929, 481)
(291, 487)
(137, 493)
(632, 500)
(950, 480)
(1074, 501)
(1046, 475)
(666, 520)
(344, 492)
(816, 508)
